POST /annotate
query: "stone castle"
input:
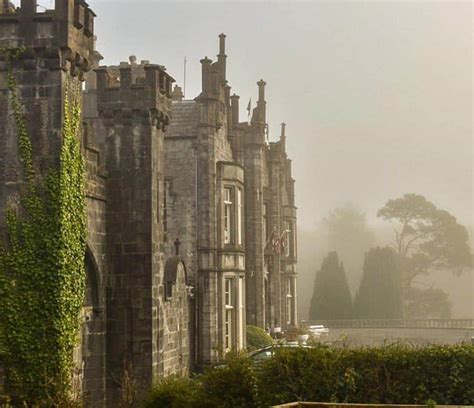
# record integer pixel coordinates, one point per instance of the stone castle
(190, 212)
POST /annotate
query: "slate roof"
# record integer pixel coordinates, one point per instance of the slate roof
(184, 119)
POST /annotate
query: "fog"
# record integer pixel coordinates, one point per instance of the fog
(377, 97)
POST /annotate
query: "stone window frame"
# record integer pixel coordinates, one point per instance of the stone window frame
(240, 215)
(229, 312)
(289, 300)
(233, 211)
(233, 311)
(229, 209)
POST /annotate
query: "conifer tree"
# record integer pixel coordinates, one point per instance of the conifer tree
(379, 295)
(331, 296)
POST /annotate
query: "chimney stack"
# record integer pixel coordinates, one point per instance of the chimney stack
(221, 57)
(206, 71)
(177, 94)
(261, 90)
(234, 100)
(283, 137)
(260, 115)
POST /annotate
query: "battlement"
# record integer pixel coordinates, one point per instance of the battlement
(65, 33)
(132, 88)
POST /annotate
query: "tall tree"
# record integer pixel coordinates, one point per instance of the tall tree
(379, 294)
(331, 296)
(426, 238)
(345, 231)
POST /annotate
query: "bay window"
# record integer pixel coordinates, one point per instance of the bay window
(233, 216)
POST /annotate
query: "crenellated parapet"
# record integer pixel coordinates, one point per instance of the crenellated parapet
(57, 39)
(133, 92)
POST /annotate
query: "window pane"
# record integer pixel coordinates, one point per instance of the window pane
(228, 292)
(228, 210)
(241, 312)
(239, 216)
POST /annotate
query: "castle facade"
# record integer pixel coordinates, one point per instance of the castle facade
(191, 217)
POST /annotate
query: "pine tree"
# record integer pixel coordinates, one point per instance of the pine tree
(379, 295)
(331, 296)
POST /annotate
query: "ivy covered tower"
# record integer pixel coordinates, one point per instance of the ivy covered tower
(44, 55)
(57, 45)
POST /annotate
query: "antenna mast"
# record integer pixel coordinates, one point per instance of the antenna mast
(184, 84)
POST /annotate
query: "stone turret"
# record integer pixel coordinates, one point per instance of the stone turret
(134, 105)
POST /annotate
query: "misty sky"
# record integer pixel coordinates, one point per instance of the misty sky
(377, 95)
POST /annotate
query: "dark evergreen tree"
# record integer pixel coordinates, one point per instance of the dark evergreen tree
(331, 296)
(379, 295)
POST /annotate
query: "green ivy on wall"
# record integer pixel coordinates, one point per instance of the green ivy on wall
(42, 275)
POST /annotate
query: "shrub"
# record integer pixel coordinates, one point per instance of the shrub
(233, 385)
(294, 333)
(387, 375)
(174, 392)
(257, 338)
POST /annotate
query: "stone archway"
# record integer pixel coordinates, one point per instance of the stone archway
(90, 353)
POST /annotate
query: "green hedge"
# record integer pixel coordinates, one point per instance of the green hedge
(390, 375)
(257, 338)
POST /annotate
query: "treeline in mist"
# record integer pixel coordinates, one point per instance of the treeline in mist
(351, 277)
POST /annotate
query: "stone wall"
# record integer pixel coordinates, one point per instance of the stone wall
(133, 104)
(94, 326)
(58, 45)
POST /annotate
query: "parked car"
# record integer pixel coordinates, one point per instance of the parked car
(318, 330)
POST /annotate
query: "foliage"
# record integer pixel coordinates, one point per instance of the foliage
(231, 385)
(257, 338)
(331, 296)
(294, 333)
(427, 303)
(345, 230)
(379, 294)
(42, 277)
(387, 375)
(428, 237)
(174, 392)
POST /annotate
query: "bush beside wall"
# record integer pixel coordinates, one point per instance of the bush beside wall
(389, 375)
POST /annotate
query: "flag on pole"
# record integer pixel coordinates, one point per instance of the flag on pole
(249, 108)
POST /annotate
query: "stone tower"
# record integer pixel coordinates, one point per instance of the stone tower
(57, 47)
(133, 103)
(255, 180)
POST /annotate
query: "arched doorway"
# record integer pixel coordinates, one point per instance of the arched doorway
(90, 353)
